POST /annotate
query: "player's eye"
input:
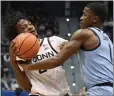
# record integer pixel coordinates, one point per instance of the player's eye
(84, 14)
(24, 26)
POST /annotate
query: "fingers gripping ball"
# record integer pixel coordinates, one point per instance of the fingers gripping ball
(27, 45)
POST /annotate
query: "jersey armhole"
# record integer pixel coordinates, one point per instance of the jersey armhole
(41, 42)
(98, 42)
(51, 45)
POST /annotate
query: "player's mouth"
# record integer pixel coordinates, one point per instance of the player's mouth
(81, 23)
(34, 32)
(31, 31)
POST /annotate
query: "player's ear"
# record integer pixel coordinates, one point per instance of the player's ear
(95, 19)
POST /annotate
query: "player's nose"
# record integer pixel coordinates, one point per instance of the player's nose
(81, 18)
(30, 28)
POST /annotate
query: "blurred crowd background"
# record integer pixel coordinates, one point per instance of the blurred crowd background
(50, 18)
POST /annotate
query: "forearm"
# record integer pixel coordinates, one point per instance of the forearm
(54, 61)
(21, 78)
(45, 64)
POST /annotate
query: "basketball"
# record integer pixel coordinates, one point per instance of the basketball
(28, 46)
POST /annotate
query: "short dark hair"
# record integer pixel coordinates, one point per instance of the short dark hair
(98, 9)
(10, 20)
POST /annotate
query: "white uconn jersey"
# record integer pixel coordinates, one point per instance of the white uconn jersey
(50, 82)
(97, 65)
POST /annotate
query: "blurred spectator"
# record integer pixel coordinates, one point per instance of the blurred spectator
(49, 33)
(41, 30)
(7, 69)
(5, 83)
(109, 31)
(56, 30)
(42, 27)
(45, 25)
(4, 68)
(14, 84)
(36, 20)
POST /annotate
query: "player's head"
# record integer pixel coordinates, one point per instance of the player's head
(23, 25)
(93, 14)
(16, 23)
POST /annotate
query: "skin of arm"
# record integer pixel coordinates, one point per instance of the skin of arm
(63, 45)
(77, 40)
(20, 76)
(81, 92)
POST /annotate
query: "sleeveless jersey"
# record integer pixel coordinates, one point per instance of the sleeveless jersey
(96, 64)
(50, 82)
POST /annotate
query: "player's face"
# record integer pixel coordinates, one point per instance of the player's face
(25, 26)
(86, 19)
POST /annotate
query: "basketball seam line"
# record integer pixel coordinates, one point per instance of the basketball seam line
(28, 50)
(22, 44)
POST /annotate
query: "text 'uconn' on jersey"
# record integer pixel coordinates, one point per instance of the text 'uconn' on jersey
(43, 56)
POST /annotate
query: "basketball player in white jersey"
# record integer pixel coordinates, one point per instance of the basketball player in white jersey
(50, 82)
(39, 82)
(96, 51)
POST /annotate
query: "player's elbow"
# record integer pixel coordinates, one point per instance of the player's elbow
(26, 89)
(54, 62)
(58, 62)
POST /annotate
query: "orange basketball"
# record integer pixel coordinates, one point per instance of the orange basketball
(28, 46)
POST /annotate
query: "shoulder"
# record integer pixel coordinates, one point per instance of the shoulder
(58, 39)
(82, 34)
(57, 42)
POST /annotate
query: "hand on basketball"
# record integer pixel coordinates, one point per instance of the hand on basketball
(12, 51)
(13, 47)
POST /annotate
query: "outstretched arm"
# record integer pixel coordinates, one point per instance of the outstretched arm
(71, 48)
(20, 76)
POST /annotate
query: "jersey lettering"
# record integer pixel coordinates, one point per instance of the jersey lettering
(43, 56)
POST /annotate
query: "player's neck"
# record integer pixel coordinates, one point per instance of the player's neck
(100, 26)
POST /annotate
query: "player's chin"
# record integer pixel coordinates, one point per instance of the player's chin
(81, 26)
(34, 33)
